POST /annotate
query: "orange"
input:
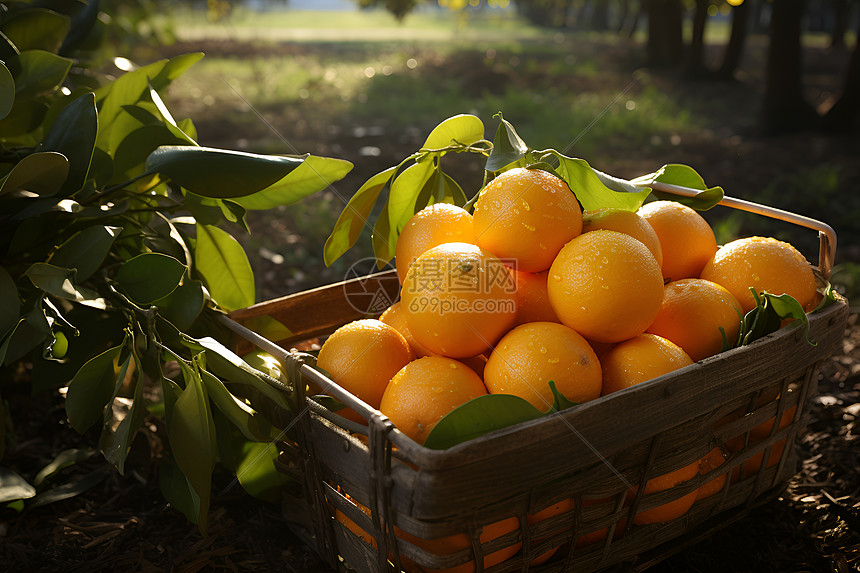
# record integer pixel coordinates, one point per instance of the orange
(626, 222)
(686, 239)
(755, 463)
(765, 264)
(562, 506)
(672, 509)
(532, 298)
(426, 389)
(430, 227)
(639, 359)
(526, 215)
(395, 317)
(532, 354)
(361, 357)
(692, 314)
(709, 462)
(352, 526)
(453, 543)
(605, 285)
(459, 300)
(763, 430)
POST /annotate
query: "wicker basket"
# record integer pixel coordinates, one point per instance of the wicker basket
(374, 499)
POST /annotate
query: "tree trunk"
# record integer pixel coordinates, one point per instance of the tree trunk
(735, 48)
(695, 65)
(785, 108)
(841, 19)
(600, 15)
(844, 115)
(665, 36)
(622, 17)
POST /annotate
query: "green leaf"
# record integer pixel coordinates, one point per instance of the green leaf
(191, 431)
(183, 305)
(60, 282)
(353, 218)
(383, 249)
(478, 417)
(787, 307)
(219, 172)
(86, 250)
(224, 266)
(405, 189)
(7, 90)
(683, 176)
(314, 174)
(167, 118)
(41, 173)
(36, 29)
(30, 331)
(229, 366)
(41, 72)
(464, 128)
(64, 459)
(257, 474)
(25, 116)
(91, 389)
(10, 303)
(13, 486)
(73, 134)
(177, 490)
(591, 192)
(241, 415)
(123, 416)
(560, 401)
(508, 147)
(132, 87)
(73, 488)
(149, 277)
(131, 153)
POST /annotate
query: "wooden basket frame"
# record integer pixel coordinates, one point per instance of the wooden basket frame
(382, 482)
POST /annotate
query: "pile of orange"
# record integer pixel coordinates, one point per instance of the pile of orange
(528, 289)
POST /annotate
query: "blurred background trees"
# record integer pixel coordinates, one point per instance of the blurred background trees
(784, 107)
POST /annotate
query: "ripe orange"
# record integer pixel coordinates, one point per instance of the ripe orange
(764, 263)
(686, 239)
(351, 525)
(432, 226)
(605, 285)
(361, 357)
(672, 509)
(626, 222)
(562, 506)
(532, 354)
(532, 298)
(639, 359)
(395, 317)
(755, 463)
(763, 430)
(527, 215)
(459, 299)
(692, 314)
(426, 389)
(453, 543)
(709, 462)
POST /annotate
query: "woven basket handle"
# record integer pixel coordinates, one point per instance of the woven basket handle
(826, 234)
